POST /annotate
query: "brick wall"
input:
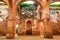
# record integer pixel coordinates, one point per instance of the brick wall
(56, 28)
(3, 26)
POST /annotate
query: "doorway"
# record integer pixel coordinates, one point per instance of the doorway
(29, 28)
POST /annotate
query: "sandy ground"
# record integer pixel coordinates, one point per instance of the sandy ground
(56, 37)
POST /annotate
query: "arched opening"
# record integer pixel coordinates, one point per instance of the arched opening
(28, 10)
(22, 28)
(28, 28)
(55, 16)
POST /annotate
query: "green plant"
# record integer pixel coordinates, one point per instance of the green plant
(16, 30)
(25, 5)
(55, 5)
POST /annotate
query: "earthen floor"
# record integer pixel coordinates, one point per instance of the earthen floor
(56, 37)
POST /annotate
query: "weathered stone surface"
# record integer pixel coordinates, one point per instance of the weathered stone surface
(10, 32)
(56, 28)
(21, 29)
(3, 26)
(47, 24)
(42, 28)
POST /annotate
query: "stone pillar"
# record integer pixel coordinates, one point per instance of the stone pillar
(47, 23)
(18, 20)
(10, 26)
(21, 24)
(38, 12)
(38, 17)
(11, 22)
(36, 29)
(41, 29)
(40, 24)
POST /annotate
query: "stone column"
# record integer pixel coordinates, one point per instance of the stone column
(18, 20)
(37, 29)
(47, 23)
(21, 24)
(11, 22)
(40, 24)
(48, 26)
(10, 26)
(38, 17)
(38, 12)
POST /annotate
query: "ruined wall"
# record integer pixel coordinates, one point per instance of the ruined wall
(36, 28)
(3, 26)
(21, 28)
(56, 28)
(55, 19)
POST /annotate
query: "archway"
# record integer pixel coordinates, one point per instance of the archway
(28, 15)
(28, 28)
(45, 7)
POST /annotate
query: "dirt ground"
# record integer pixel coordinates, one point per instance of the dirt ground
(56, 37)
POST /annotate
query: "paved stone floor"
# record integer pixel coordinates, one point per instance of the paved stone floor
(56, 37)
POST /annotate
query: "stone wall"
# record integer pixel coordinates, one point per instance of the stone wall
(3, 26)
(21, 29)
(56, 28)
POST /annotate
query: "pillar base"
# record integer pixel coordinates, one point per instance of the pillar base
(23, 33)
(10, 32)
(48, 36)
(10, 36)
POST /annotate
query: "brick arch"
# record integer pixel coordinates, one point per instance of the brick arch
(11, 21)
(30, 20)
(38, 8)
(29, 24)
(5, 2)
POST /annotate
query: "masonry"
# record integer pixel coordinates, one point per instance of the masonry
(43, 27)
